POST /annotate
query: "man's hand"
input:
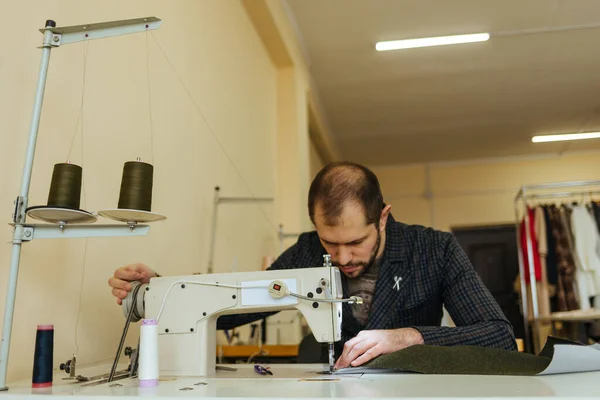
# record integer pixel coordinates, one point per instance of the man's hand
(370, 344)
(120, 281)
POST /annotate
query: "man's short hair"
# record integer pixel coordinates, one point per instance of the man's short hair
(340, 182)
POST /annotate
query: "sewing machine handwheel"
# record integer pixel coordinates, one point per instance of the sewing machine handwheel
(138, 312)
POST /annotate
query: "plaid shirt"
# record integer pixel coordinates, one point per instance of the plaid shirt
(422, 270)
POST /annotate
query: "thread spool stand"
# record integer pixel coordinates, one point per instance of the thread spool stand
(25, 232)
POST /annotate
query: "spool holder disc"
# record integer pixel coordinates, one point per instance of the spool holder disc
(131, 216)
(60, 215)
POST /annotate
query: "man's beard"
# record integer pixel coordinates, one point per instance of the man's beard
(372, 260)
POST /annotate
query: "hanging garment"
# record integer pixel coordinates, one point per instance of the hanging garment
(596, 208)
(586, 243)
(565, 291)
(565, 215)
(537, 268)
(551, 264)
(543, 290)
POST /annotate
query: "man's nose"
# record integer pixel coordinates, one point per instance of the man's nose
(344, 255)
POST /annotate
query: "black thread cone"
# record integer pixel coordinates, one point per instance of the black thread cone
(43, 357)
(65, 187)
(136, 186)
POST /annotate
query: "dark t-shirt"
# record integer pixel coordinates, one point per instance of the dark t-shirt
(364, 287)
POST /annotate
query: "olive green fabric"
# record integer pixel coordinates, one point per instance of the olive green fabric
(467, 360)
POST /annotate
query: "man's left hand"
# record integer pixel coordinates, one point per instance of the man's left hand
(370, 344)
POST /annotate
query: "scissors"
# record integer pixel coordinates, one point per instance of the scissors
(262, 370)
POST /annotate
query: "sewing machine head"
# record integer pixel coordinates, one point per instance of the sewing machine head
(187, 308)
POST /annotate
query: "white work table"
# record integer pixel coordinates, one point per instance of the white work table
(297, 381)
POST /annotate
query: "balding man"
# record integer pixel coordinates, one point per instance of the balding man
(404, 273)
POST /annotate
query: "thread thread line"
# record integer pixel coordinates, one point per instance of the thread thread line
(80, 297)
(85, 46)
(149, 100)
(213, 133)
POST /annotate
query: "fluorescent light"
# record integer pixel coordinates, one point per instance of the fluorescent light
(431, 41)
(565, 136)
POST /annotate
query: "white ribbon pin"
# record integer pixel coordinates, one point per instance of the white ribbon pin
(397, 280)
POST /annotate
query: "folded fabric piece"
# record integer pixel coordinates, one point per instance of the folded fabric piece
(475, 360)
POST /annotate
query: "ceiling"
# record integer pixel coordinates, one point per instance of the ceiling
(538, 74)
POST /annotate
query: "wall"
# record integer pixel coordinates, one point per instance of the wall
(479, 192)
(316, 162)
(232, 143)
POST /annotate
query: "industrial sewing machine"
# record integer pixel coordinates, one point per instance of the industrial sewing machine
(187, 309)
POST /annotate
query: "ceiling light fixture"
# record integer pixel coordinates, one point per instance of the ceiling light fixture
(565, 136)
(431, 41)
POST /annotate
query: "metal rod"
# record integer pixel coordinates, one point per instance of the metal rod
(289, 235)
(213, 232)
(244, 199)
(556, 185)
(113, 370)
(20, 210)
(561, 194)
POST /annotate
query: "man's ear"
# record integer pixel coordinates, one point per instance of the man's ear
(384, 217)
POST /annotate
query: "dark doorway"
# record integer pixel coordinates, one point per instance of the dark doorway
(493, 252)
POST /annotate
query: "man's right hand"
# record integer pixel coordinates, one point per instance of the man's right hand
(120, 281)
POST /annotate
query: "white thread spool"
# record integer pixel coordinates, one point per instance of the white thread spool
(148, 368)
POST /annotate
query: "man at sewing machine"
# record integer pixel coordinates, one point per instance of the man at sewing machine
(403, 273)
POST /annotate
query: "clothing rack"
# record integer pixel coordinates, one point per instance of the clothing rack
(524, 196)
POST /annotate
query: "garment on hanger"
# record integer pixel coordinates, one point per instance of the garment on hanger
(543, 290)
(565, 291)
(537, 268)
(565, 214)
(596, 209)
(551, 264)
(586, 244)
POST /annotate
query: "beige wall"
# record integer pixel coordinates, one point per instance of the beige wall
(232, 79)
(476, 192)
(316, 162)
